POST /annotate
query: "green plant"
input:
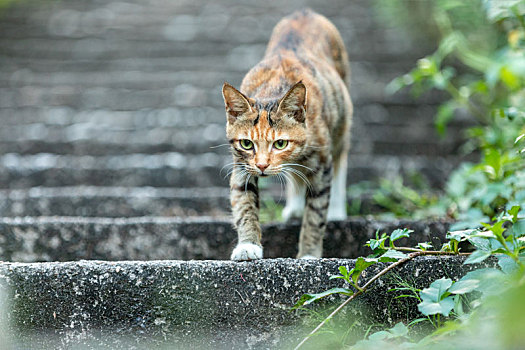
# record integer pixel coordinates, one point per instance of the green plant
(504, 239)
(480, 65)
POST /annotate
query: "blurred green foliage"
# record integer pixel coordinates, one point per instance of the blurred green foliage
(484, 76)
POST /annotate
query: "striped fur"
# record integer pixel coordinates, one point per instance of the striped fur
(297, 93)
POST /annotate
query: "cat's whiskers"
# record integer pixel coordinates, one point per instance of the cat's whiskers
(291, 171)
(234, 166)
(221, 145)
(296, 164)
(282, 181)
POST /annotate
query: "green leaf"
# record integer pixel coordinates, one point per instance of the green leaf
(399, 330)
(514, 213)
(381, 335)
(344, 272)
(445, 113)
(400, 233)
(442, 307)
(418, 320)
(507, 264)
(477, 257)
(463, 287)
(360, 265)
(497, 228)
(392, 255)
(424, 246)
(460, 236)
(437, 290)
(518, 229)
(310, 298)
(480, 243)
(491, 281)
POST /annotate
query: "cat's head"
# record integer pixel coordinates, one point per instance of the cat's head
(266, 136)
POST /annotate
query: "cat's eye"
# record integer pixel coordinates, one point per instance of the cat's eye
(280, 144)
(246, 144)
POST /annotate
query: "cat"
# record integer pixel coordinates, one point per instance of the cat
(292, 120)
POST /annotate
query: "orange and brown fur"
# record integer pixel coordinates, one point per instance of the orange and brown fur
(292, 119)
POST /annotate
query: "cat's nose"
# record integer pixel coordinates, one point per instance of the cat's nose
(262, 166)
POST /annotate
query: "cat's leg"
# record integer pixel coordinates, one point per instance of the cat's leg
(315, 213)
(337, 207)
(295, 193)
(244, 198)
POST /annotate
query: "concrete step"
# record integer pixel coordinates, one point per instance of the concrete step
(194, 304)
(195, 129)
(114, 201)
(173, 169)
(159, 170)
(93, 201)
(32, 239)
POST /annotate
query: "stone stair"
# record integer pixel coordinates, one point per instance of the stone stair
(111, 151)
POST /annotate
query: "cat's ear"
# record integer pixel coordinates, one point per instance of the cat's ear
(293, 104)
(235, 102)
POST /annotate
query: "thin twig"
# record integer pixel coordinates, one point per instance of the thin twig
(372, 280)
(428, 252)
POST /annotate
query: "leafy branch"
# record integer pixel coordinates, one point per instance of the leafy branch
(443, 295)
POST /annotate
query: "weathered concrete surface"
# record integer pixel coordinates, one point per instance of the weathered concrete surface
(174, 169)
(192, 304)
(30, 239)
(114, 201)
(98, 201)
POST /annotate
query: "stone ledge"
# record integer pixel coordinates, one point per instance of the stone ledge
(114, 201)
(30, 239)
(202, 304)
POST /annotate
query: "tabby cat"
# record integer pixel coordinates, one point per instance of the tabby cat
(292, 119)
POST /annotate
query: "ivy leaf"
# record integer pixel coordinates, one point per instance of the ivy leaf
(399, 233)
(437, 289)
(460, 236)
(310, 298)
(477, 257)
(392, 255)
(514, 213)
(497, 229)
(441, 307)
(424, 246)
(381, 335)
(360, 265)
(507, 264)
(517, 229)
(480, 243)
(344, 272)
(399, 330)
(491, 281)
(464, 286)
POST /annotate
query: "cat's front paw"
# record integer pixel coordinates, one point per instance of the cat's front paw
(247, 251)
(308, 257)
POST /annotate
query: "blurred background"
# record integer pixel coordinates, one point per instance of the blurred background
(113, 108)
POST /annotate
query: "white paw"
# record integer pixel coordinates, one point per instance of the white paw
(336, 213)
(292, 212)
(247, 251)
(309, 257)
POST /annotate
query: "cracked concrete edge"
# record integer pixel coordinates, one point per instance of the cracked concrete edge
(205, 304)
